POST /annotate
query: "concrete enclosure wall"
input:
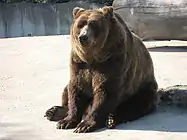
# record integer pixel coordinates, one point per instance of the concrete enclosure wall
(21, 19)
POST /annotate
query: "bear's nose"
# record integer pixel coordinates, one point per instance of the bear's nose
(83, 38)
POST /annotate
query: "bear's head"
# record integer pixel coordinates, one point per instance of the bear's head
(90, 30)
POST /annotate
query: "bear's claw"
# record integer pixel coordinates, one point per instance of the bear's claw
(110, 123)
(66, 124)
(84, 127)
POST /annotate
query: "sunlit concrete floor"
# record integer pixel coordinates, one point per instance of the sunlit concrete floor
(34, 71)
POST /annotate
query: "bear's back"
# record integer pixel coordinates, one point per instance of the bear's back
(138, 61)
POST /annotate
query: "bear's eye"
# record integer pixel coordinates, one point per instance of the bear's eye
(82, 23)
(94, 24)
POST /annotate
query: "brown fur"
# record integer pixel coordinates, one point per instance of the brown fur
(110, 72)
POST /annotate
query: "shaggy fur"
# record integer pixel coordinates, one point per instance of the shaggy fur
(111, 72)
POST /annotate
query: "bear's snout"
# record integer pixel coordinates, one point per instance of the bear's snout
(84, 36)
(83, 39)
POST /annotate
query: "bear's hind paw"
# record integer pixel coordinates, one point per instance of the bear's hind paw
(56, 113)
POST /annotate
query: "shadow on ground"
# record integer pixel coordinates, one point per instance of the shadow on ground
(168, 49)
(172, 120)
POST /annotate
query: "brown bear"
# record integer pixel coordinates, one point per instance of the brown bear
(111, 72)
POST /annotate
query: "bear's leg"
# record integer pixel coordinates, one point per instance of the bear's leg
(139, 105)
(96, 115)
(105, 100)
(57, 113)
(77, 104)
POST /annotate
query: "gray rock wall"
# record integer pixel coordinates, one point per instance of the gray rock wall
(155, 19)
(21, 19)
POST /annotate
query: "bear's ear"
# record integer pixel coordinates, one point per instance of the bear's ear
(77, 11)
(108, 11)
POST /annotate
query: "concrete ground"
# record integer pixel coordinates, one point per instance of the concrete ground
(33, 72)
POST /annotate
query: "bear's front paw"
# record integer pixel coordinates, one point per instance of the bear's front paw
(67, 124)
(56, 113)
(85, 126)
